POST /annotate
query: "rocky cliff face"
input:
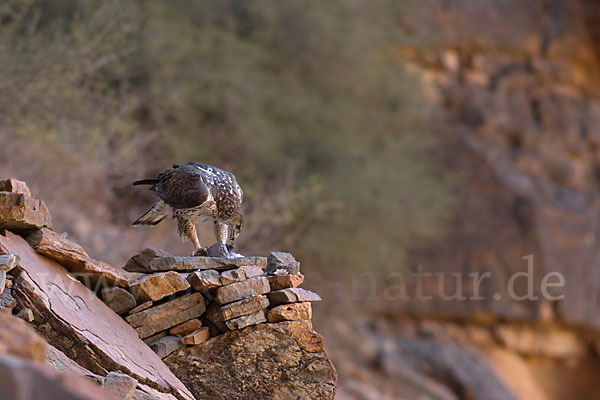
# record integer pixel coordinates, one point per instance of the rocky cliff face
(224, 327)
(517, 84)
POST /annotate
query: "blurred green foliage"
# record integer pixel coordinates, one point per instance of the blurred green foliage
(305, 101)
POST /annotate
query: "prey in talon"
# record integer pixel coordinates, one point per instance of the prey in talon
(193, 193)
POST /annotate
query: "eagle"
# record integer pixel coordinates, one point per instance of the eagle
(196, 192)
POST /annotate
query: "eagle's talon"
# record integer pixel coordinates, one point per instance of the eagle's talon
(202, 252)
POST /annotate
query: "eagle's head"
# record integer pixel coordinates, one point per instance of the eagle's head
(236, 223)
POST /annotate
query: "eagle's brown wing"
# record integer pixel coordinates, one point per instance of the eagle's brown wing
(181, 187)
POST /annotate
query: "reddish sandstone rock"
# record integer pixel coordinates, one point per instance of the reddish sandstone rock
(243, 307)
(551, 342)
(21, 212)
(303, 333)
(156, 286)
(290, 312)
(186, 327)
(292, 295)
(239, 290)
(94, 274)
(213, 317)
(241, 274)
(279, 282)
(266, 361)
(141, 307)
(196, 337)
(255, 318)
(79, 324)
(48, 238)
(167, 315)
(202, 281)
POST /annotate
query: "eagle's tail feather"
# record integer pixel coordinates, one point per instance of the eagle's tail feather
(154, 215)
(145, 182)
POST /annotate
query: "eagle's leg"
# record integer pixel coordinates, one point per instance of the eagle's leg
(187, 229)
(221, 231)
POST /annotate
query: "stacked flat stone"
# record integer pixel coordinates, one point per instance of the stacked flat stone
(179, 301)
(22, 213)
(19, 210)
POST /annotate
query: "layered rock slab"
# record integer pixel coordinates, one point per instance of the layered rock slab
(239, 290)
(292, 295)
(167, 315)
(156, 286)
(139, 261)
(199, 263)
(255, 318)
(48, 238)
(141, 307)
(267, 361)
(186, 327)
(196, 337)
(241, 274)
(243, 307)
(79, 324)
(290, 312)
(203, 281)
(94, 274)
(21, 212)
(279, 282)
